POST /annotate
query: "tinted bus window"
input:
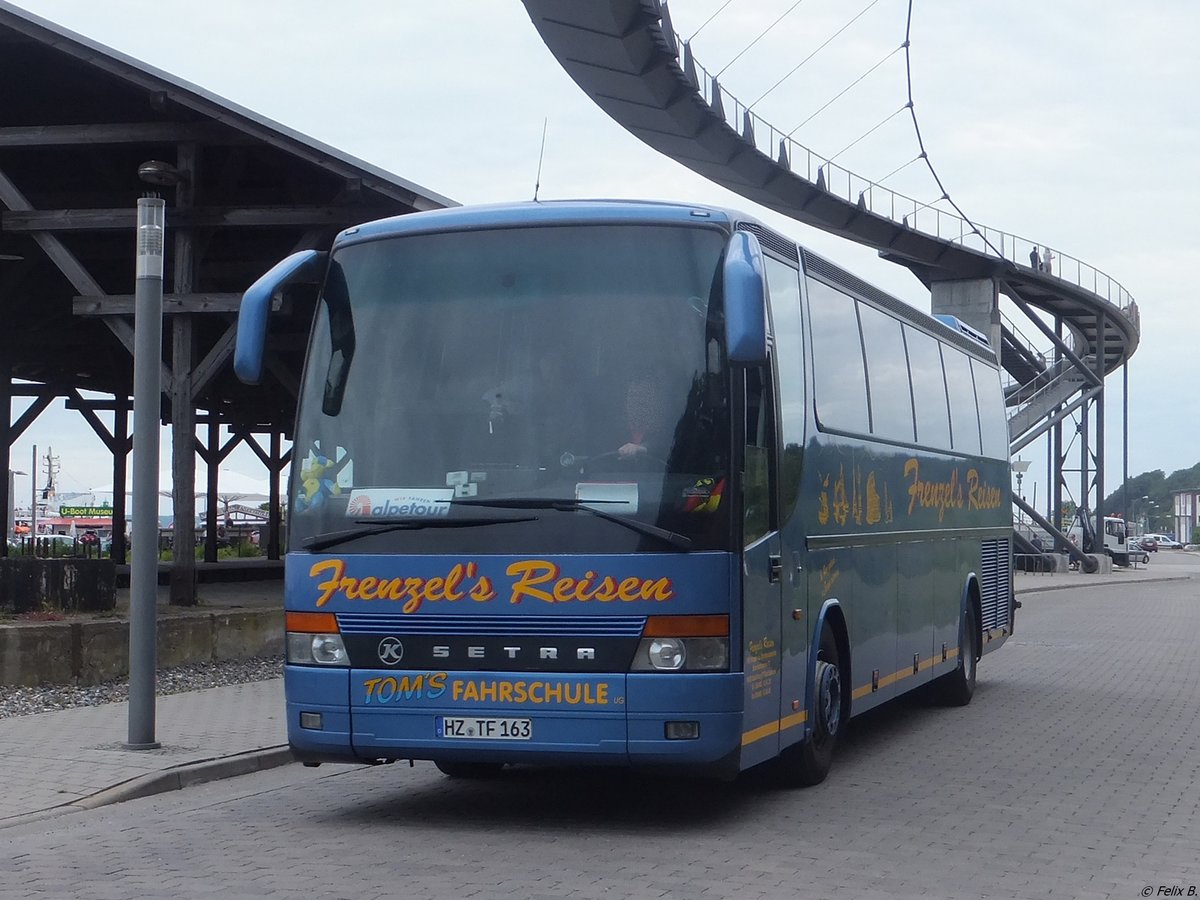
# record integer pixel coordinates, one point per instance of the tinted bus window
(887, 375)
(964, 417)
(929, 389)
(993, 422)
(839, 378)
(784, 284)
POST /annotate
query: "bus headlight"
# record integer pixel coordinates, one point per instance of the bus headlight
(666, 653)
(702, 654)
(683, 644)
(707, 654)
(316, 650)
(313, 640)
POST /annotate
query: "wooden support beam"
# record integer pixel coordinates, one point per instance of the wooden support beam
(274, 518)
(92, 419)
(213, 361)
(123, 444)
(30, 221)
(124, 332)
(33, 390)
(66, 262)
(286, 376)
(127, 133)
(36, 408)
(262, 454)
(122, 304)
(6, 480)
(212, 457)
(183, 413)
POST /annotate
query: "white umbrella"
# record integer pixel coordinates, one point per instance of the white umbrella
(231, 487)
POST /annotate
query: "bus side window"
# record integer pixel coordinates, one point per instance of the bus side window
(758, 496)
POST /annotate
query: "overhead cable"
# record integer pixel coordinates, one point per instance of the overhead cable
(765, 32)
(921, 142)
(868, 133)
(706, 21)
(844, 90)
(827, 42)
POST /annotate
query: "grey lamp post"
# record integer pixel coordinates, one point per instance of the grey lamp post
(1020, 467)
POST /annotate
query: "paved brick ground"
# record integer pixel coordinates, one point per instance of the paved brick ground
(54, 758)
(1074, 773)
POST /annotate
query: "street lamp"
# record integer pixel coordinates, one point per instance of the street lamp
(1020, 467)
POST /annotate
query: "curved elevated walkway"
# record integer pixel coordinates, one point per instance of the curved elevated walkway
(626, 57)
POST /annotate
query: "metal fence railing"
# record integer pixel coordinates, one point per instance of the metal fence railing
(873, 197)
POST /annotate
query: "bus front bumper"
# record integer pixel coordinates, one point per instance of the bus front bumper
(619, 719)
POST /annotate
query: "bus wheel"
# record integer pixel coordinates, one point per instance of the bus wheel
(808, 762)
(468, 770)
(958, 687)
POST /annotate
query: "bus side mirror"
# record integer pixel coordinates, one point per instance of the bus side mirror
(745, 301)
(304, 267)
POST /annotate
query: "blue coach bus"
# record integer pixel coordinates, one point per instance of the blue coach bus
(626, 483)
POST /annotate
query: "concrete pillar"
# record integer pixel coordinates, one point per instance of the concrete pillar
(975, 301)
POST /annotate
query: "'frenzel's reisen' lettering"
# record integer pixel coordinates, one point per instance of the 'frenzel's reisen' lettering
(533, 579)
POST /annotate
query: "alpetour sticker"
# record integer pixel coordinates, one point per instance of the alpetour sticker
(388, 503)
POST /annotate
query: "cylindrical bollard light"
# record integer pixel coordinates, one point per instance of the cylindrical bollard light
(147, 391)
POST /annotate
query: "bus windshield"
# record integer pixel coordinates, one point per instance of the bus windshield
(537, 389)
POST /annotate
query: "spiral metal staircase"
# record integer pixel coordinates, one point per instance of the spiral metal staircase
(628, 59)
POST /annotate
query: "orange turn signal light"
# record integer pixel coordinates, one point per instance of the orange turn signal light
(311, 622)
(686, 626)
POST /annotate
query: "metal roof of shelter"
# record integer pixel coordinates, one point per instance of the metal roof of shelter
(77, 122)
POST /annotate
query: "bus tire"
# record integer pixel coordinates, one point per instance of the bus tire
(808, 762)
(474, 770)
(958, 687)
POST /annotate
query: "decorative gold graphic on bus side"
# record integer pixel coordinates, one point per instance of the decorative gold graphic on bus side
(867, 498)
(535, 579)
(829, 576)
(879, 508)
(859, 503)
(951, 493)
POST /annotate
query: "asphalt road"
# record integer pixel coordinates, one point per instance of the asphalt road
(1075, 772)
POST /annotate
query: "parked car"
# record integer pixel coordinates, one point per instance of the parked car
(1165, 542)
(1138, 553)
(1148, 542)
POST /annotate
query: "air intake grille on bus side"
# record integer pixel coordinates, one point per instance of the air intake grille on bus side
(996, 588)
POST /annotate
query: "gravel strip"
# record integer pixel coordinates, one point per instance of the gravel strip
(25, 701)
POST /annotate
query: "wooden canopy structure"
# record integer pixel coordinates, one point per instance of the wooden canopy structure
(85, 131)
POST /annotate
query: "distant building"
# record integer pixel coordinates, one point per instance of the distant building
(1186, 512)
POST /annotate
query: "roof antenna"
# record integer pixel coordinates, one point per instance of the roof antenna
(541, 155)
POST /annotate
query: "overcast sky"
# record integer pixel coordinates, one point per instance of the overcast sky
(1073, 123)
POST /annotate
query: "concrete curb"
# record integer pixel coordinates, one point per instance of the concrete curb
(1066, 587)
(187, 775)
(172, 779)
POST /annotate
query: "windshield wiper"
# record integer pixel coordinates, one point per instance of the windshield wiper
(333, 538)
(568, 504)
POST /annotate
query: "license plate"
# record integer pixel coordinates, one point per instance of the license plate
(490, 729)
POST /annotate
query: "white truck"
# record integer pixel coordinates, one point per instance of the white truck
(1115, 544)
